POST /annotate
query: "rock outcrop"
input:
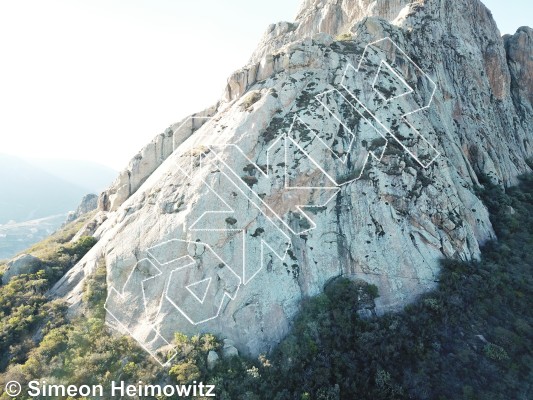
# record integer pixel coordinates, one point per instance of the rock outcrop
(149, 159)
(88, 203)
(518, 48)
(22, 264)
(225, 226)
(212, 359)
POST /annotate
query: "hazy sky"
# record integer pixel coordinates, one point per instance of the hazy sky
(98, 79)
(511, 14)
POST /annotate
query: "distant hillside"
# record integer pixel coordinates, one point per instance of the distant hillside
(33, 189)
(92, 177)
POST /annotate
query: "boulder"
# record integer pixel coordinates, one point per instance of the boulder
(212, 359)
(23, 264)
(230, 351)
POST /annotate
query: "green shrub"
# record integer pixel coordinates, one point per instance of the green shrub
(80, 247)
(250, 99)
(495, 352)
(430, 350)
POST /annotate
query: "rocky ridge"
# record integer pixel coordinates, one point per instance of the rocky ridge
(165, 249)
(88, 203)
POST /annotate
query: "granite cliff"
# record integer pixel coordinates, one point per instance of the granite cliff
(351, 144)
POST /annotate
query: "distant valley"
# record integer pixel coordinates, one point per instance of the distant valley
(37, 194)
(17, 236)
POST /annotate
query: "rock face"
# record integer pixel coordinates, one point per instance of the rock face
(292, 182)
(88, 203)
(149, 159)
(520, 63)
(23, 264)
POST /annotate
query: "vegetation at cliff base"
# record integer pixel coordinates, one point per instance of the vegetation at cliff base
(469, 339)
(25, 308)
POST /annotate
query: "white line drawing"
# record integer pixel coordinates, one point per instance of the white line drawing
(236, 153)
(154, 301)
(212, 220)
(199, 311)
(375, 47)
(185, 267)
(386, 64)
(334, 101)
(121, 303)
(204, 287)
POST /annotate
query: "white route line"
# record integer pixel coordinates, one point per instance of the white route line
(275, 221)
(238, 184)
(208, 280)
(378, 156)
(397, 76)
(403, 117)
(122, 296)
(226, 294)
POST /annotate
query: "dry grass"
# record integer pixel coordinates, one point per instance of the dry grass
(47, 248)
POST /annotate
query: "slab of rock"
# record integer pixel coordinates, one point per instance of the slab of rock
(149, 159)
